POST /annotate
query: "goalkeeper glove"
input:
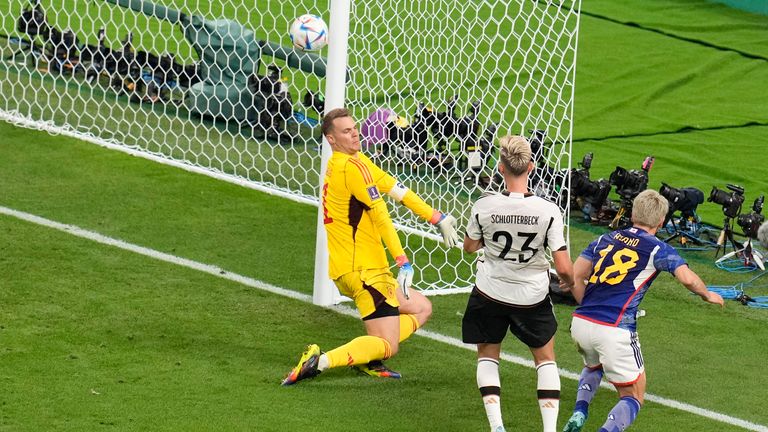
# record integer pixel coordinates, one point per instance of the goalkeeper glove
(405, 275)
(447, 226)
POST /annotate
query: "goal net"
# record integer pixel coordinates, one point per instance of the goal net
(217, 87)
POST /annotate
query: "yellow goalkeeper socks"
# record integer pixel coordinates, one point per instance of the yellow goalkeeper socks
(408, 325)
(363, 349)
(359, 350)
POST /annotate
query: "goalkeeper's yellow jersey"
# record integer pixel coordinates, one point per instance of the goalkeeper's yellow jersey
(356, 217)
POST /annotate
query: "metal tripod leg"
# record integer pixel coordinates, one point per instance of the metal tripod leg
(750, 255)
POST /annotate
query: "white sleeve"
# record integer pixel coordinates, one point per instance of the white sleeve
(555, 236)
(474, 231)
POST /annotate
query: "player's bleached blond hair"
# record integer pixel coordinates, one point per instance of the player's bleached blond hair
(649, 208)
(515, 153)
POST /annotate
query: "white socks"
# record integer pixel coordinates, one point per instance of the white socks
(548, 392)
(322, 362)
(490, 389)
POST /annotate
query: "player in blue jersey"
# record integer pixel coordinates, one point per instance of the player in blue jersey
(611, 277)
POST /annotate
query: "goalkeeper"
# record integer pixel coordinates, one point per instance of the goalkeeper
(357, 221)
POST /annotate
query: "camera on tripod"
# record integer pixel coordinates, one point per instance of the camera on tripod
(581, 185)
(32, 21)
(629, 183)
(685, 200)
(478, 150)
(274, 106)
(442, 142)
(731, 202)
(586, 194)
(446, 126)
(60, 48)
(750, 222)
(545, 181)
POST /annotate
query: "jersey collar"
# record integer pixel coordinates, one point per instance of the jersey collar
(517, 195)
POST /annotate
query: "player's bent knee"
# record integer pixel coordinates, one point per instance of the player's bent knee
(426, 311)
(419, 306)
(392, 347)
(635, 390)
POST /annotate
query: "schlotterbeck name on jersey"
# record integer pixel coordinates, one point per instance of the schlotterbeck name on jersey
(514, 219)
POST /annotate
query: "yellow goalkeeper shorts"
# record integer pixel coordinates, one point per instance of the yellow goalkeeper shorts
(374, 292)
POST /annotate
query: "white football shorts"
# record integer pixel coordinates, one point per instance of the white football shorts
(616, 349)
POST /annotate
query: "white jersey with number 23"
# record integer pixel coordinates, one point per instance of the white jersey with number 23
(515, 229)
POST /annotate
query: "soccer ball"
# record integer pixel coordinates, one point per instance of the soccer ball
(309, 33)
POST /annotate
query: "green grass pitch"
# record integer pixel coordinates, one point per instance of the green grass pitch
(97, 338)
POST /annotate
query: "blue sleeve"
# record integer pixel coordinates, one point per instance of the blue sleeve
(667, 259)
(591, 250)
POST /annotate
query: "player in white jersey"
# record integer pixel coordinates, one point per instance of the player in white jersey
(511, 292)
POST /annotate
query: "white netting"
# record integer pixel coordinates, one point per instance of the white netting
(192, 84)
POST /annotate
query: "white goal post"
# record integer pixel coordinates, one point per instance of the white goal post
(216, 87)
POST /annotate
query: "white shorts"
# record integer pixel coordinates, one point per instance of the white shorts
(616, 349)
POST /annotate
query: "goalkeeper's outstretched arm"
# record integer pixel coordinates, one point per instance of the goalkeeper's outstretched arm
(401, 194)
(359, 181)
(444, 222)
(380, 217)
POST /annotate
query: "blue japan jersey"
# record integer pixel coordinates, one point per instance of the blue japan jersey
(624, 264)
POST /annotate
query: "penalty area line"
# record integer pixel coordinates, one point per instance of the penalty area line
(345, 310)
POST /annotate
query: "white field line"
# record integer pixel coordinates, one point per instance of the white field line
(345, 310)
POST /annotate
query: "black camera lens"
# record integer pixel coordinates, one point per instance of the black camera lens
(618, 176)
(750, 223)
(628, 183)
(579, 182)
(536, 141)
(731, 202)
(719, 196)
(685, 200)
(673, 195)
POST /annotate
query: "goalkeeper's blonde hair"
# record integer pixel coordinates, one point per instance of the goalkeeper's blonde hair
(649, 209)
(515, 153)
